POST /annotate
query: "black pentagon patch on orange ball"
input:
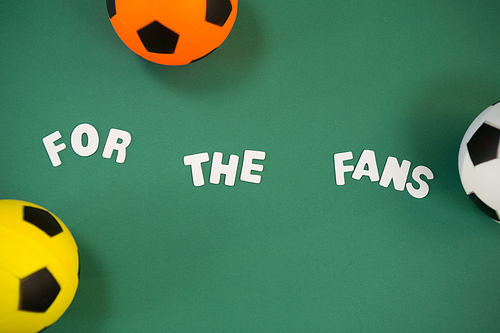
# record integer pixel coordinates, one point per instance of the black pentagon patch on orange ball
(43, 220)
(157, 38)
(110, 4)
(195, 60)
(38, 291)
(490, 212)
(218, 11)
(483, 146)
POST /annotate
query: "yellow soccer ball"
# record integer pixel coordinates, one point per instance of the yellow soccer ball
(39, 267)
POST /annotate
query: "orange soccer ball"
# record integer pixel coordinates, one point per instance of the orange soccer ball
(172, 32)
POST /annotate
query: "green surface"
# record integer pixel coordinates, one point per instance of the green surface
(300, 81)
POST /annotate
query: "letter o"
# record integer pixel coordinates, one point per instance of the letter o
(92, 142)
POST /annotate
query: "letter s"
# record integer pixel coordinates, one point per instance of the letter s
(423, 189)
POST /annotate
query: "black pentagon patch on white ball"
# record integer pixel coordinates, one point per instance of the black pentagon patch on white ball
(490, 212)
(157, 38)
(483, 146)
(43, 220)
(38, 291)
(218, 11)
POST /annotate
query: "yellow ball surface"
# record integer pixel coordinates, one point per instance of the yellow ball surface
(39, 267)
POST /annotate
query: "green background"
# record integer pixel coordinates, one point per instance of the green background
(301, 81)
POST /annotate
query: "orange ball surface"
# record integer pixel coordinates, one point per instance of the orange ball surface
(172, 32)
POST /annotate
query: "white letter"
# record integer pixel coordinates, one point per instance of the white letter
(392, 171)
(248, 166)
(195, 162)
(52, 149)
(367, 158)
(92, 136)
(113, 144)
(340, 168)
(218, 168)
(423, 190)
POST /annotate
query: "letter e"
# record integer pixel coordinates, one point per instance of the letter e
(249, 166)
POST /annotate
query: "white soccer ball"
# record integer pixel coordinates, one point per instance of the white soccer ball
(479, 161)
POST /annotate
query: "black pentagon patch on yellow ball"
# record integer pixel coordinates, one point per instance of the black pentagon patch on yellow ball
(218, 11)
(43, 220)
(38, 291)
(157, 38)
(483, 146)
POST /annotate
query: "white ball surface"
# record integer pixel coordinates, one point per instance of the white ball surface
(479, 161)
